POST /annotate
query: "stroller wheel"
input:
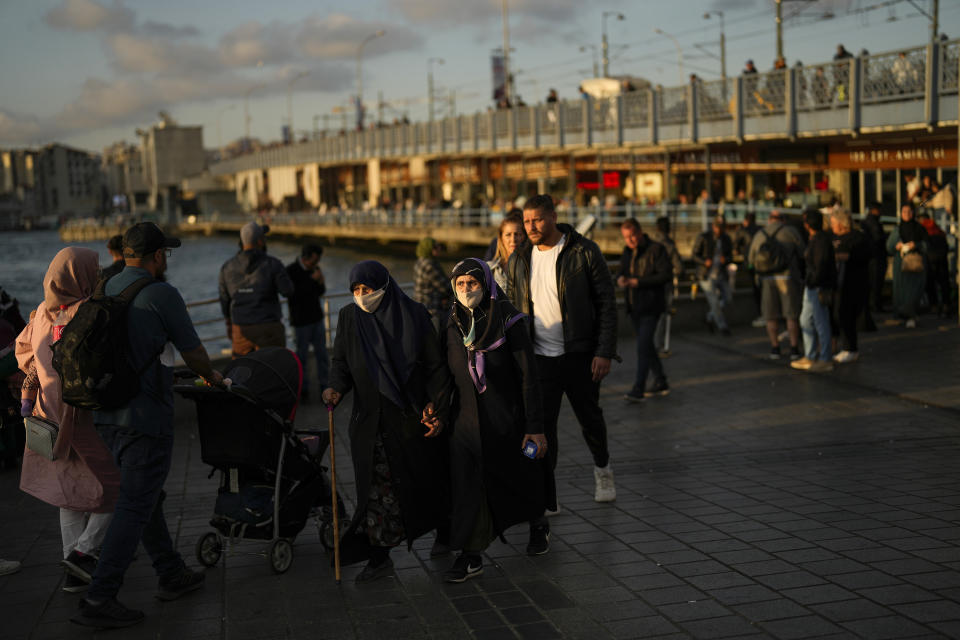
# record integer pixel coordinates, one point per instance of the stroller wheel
(280, 555)
(209, 549)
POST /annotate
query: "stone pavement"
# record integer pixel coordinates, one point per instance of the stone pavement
(753, 501)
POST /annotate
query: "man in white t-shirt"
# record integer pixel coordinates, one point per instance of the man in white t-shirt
(561, 280)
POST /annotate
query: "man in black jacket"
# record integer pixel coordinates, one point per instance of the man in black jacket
(877, 238)
(306, 316)
(561, 280)
(820, 281)
(713, 253)
(644, 269)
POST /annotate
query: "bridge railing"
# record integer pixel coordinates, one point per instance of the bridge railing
(834, 95)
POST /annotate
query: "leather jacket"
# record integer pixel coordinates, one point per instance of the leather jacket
(704, 250)
(585, 289)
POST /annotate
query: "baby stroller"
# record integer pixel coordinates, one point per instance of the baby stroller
(271, 479)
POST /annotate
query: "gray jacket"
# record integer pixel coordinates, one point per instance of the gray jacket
(792, 242)
(249, 284)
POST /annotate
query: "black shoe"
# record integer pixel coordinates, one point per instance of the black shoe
(539, 540)
(74, 584)
(176, 585)
(81, 565)
(774, 353)
(465, 567)
(374, 570)
(109, 614)
(795, 353)
(726, 332)
(660, 388)
(635, 395)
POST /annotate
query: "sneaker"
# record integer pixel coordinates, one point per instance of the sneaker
(9, 566)
(539, 542)
(74, 584)
(821, 366)
(758, 323)
(552, 512)
(81, 565)
(439, 550)
(911, 324)
(604, 489)
(774, 353)
(108, 614)
(803, 364)
(180, 583)
(373, 571)
(795, 353)
(658, 389)
(783, 336)
(465, 567)
(846, 356)
(635, 395)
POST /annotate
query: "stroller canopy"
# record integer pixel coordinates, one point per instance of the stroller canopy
(272, 376)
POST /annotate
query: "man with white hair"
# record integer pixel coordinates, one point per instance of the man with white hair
(852, 251)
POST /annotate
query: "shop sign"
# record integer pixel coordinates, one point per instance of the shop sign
(918, 155)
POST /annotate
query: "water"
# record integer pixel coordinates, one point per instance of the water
(193, 269)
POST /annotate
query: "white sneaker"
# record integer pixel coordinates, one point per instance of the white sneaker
(550, 513)
(759, 323)
(784, 335)
(9, 566)
(846, 356)
(604, 490)
(911, 324)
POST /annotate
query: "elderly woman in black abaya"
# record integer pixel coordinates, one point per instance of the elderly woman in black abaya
(387, 352)
(498, 411)
(907, 244)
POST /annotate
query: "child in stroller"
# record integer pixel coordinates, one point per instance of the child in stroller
(271, 479)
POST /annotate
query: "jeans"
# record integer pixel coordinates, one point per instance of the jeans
(144, 462)
(715, 290)
(660, 335)
(815, 325)
(647, 358)
(83, 532)
(313, 334)
(570, 374)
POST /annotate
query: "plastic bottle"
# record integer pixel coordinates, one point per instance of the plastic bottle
(60, 323)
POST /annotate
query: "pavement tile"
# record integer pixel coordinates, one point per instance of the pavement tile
(672, 595)
(803, 627)
(713, 581)
(898, 594)
(888, 627)
(723, 627)
(699, 610)
(483, 619)
(934, 611)
(495, 633)
(789, 580)
(770, 610)
(646, 627)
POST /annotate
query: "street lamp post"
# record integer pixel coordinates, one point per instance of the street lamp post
(290, 84)
(246, 110)
(676, 43)
(596, 66)
(723, 50)
(220, 113)
(364, 43)
(604, 45)
(430, 93)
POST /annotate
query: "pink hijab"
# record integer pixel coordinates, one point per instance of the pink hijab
(83, 477)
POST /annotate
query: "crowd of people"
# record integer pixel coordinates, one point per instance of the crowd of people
(456, 390)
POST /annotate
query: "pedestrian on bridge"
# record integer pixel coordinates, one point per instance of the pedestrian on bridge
(306, 315)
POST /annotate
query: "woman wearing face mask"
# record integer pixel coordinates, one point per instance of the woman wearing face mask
(387, 352)
(509, 239)
(499, 410)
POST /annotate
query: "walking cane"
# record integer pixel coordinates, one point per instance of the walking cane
(333, 497)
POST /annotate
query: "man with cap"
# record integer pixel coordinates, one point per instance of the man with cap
(115, 247)
(140, 434)
(249, 284)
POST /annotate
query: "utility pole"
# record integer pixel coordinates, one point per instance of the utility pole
(936, 21)
(380, 107)
(452, 103)
(430, 89)
(779, 29)
(507, 93)
(604, 44)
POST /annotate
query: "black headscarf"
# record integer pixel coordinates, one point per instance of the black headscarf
(911, 230)
(491, 318)
(392, 335)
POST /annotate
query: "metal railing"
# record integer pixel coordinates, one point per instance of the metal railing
(835, 95)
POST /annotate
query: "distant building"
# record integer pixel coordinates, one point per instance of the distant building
(126, 184)
(70, 182)
(18, 188)
(169, 153)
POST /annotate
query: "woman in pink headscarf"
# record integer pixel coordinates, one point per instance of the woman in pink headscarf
(82, 479)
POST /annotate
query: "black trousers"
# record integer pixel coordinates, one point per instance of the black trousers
(878, 273)
(848, 312)
(570, 374)
(938, 281)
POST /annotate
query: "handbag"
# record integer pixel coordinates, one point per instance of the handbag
(912, 262)
(41, 435)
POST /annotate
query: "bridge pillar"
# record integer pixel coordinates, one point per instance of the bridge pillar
(692, 91)
(587, 121)
(856, 82)
(738, 111)
(652, 102)
(476, 132)
(931, 94)
(790, 103)
(620, 111)
(561, 122)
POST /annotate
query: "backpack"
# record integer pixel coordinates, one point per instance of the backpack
(92, 356)
(771, 255)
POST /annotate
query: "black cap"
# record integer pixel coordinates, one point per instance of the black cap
(144, 238)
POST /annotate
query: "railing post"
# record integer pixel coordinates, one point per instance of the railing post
(587, 121)
(459, 124)
(561, 120)
(492, 117)
(512, 124)
(931, 94)
(476, 131)
(854, 97)
(620, 112)
(738, 112)
(692, 90)
(790, 102)
(652, 100)
(414, 128)
(443, 133)
(535, 113)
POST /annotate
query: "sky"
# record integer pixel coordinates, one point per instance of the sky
(90, 72)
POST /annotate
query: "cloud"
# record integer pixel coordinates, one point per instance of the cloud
(466, 12)
(87, 15)
(164, 30)
(25, 129)
(338, 36)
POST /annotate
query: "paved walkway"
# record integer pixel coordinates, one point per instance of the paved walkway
(753, 501)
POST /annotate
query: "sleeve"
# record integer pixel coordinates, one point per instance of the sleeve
(176, 320)
(340, 378)
(698, 249)
(662, 270)
(728, 249)
(604, 302)
(24, 348)
(624, 269)
(282, 280)
(436, 372)
(521, 347)
(892, 241)
(224, 295)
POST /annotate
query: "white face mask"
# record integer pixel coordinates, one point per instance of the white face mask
(470, 300)
(370, 301)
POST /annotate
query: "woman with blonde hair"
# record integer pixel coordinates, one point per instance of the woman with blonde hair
(81, 479)
(510, 236)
